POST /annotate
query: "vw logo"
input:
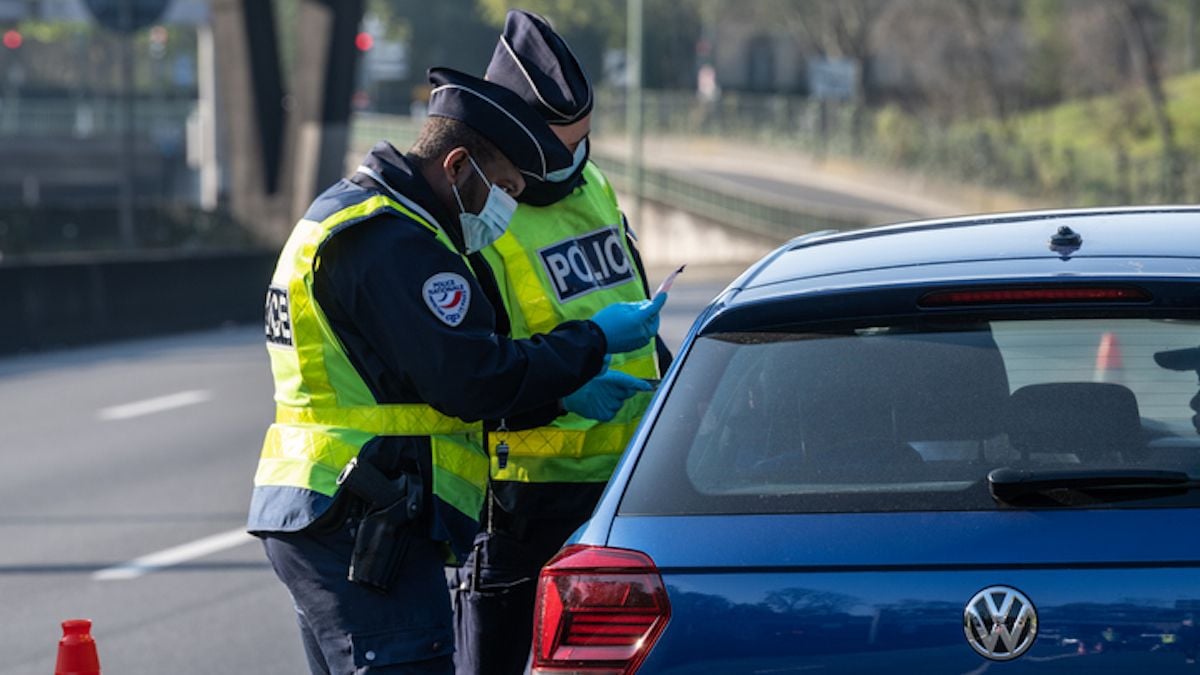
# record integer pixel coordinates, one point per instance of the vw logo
(1000, 623)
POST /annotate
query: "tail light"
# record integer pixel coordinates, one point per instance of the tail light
(1034, 295)
(599, 611)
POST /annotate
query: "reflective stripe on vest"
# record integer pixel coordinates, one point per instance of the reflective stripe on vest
(325, 412)
(556, 263)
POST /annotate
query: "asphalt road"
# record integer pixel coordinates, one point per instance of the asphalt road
(815, 197)
(127, 475)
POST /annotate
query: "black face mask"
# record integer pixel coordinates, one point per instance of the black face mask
(545, 193)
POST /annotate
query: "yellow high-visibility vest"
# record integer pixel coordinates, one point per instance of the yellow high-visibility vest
(325, 412)
(556, 263)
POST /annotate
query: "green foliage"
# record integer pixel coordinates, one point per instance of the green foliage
(606, 17)
(1123, 119)
(1044, 22)
(899, 135)
(450, 33)
(1100, 150)
(53, 31)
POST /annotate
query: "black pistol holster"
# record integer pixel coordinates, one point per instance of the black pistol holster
(384, 533)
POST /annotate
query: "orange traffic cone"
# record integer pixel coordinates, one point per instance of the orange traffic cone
(77, 650)
(1108, 359)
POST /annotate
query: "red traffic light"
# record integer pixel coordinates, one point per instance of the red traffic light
(12, 39)
(364, 41)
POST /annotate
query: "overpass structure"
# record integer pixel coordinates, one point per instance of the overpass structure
(285, 139)
(263, 140)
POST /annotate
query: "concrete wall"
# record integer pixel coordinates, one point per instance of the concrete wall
(74, 300)
(63, 302)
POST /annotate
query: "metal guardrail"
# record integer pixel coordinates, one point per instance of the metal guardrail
(366, 129)
(1031, 155)
(88, 118)
(669, 188)
(677, 191)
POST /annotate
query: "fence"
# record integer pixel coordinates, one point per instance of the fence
(1028, 156)
(675, 189)
(60, 118)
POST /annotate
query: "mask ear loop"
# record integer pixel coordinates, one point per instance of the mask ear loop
(454, 188)
(482, 176)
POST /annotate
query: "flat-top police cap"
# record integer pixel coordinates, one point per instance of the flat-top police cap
(532, 60)
(501, 117)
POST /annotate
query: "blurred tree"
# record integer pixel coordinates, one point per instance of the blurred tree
(1137, 19)
(1096, 60)
(987, 26)
(1044, 23)
(966, 58)
(79, 59)
(451, 33)
(822, 28)
(1181, 17)
(672, 31)
(605, 16)
(590, 28)
(1191, 14)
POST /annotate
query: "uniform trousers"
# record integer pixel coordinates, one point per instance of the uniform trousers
(350, 629)
(494, 592)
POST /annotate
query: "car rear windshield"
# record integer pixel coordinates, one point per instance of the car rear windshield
(892, 418)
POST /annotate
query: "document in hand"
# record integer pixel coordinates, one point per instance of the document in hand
(665, 286)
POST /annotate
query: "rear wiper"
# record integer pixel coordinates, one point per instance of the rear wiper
(1007, 485)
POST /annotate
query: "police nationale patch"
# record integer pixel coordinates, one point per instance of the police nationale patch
(279, 317)
(586, 263)
(448, 296)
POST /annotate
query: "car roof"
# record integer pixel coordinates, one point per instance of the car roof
(1114, 242)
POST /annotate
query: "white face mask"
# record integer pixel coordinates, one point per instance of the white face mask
(483, 228)
(563, 174)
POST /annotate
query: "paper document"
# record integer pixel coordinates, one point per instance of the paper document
(665, 286)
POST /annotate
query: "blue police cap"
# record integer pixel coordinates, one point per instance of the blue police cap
(532, 60)
(501, 117)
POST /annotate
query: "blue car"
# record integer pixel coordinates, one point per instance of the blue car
(951, 446)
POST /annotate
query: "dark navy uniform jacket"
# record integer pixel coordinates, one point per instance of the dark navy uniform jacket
(369, 282)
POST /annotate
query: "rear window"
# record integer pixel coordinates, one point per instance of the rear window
(890, 418)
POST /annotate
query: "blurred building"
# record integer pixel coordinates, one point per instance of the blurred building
(71, 117)
(753, 54)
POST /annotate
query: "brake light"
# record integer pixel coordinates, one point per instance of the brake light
(599, 611)
(1002, 296)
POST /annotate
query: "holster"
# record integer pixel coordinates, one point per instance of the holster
(384, 533)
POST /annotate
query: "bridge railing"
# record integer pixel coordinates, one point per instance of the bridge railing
(92, 117)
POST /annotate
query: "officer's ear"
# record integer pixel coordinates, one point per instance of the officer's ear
(455, 163)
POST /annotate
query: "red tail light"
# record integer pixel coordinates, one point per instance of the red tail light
(599, 611)
(1003, 296)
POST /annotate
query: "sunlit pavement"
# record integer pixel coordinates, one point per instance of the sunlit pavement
(127, 475)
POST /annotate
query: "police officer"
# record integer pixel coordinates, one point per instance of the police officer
(566, 254)
(385, 353)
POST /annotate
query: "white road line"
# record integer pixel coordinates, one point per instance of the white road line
(174, 556)
(154, 405)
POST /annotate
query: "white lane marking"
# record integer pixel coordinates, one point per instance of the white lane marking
(174, 556)
(154, 405)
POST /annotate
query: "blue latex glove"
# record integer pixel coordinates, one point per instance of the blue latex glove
(603, 395)
(629, 325)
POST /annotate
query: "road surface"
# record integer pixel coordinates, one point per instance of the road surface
(127, 475)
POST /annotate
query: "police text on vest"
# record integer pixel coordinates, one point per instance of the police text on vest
(586, 263)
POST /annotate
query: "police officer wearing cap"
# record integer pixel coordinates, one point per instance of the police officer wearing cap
(567, 253)
(386, 352)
